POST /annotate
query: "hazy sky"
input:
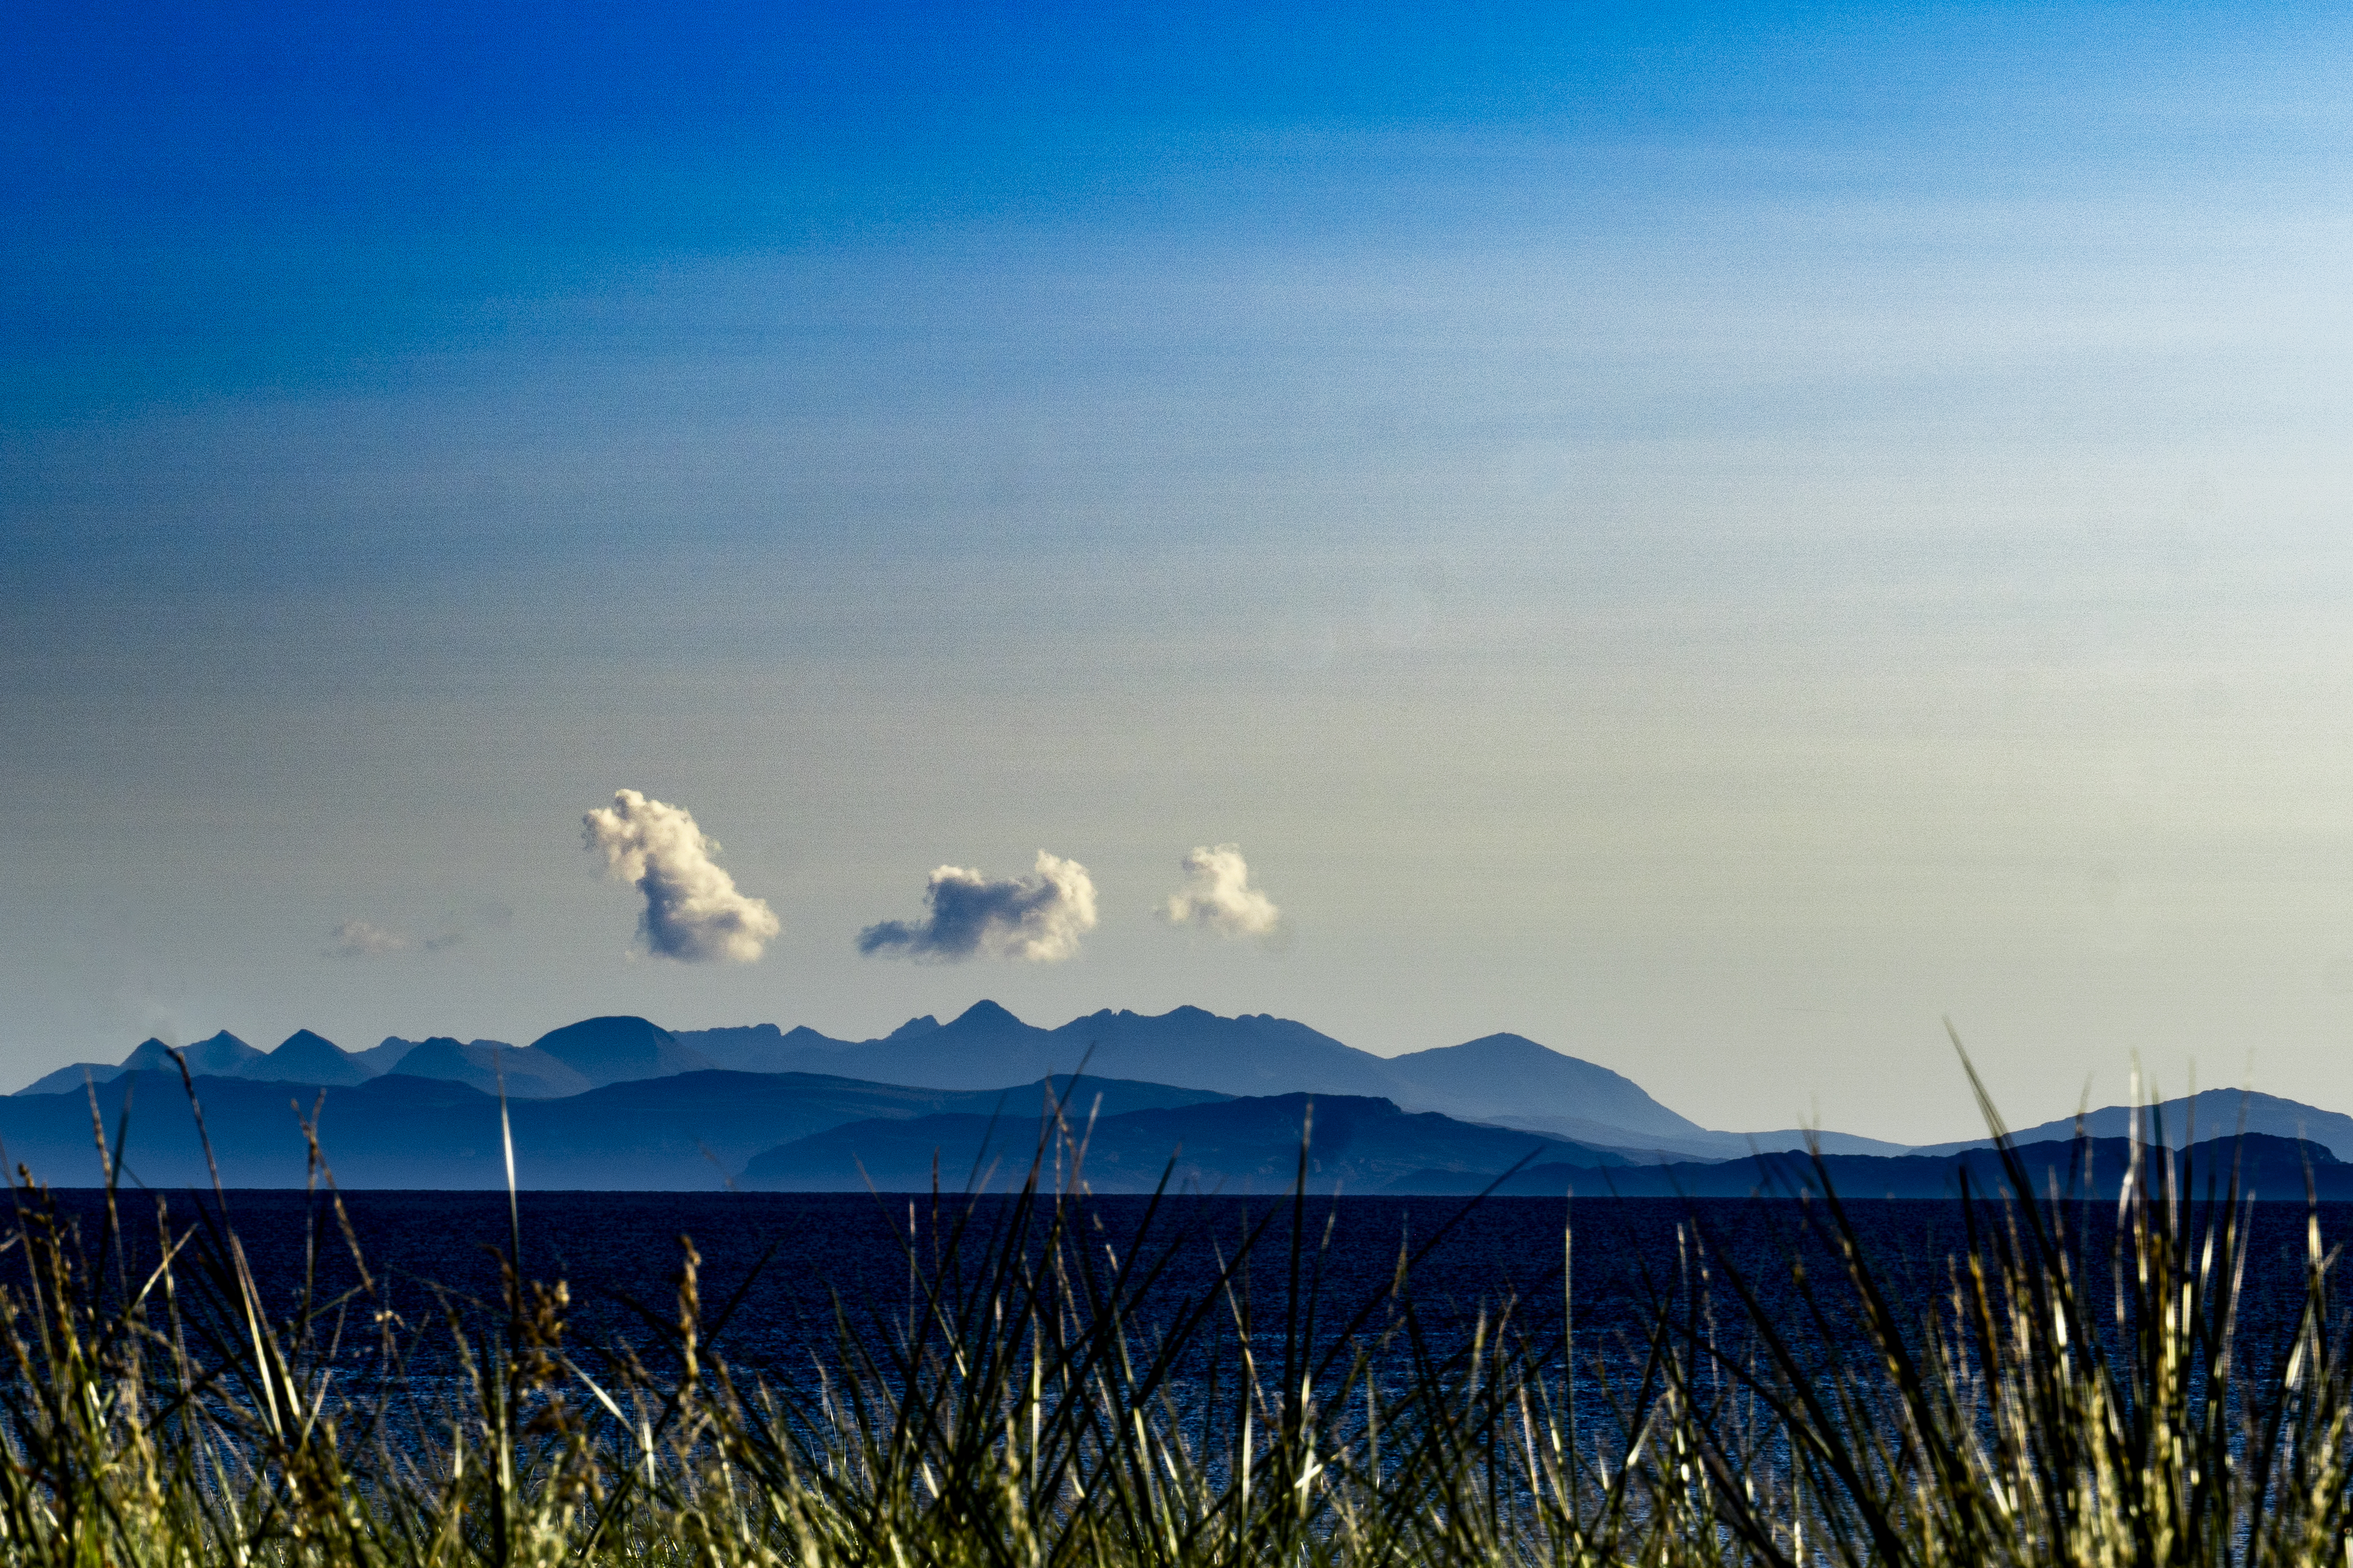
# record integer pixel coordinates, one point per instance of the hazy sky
(1710, 538)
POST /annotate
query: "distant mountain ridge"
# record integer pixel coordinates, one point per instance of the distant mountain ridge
(1502, 1090)
(1600, 1119)
(564, 1061)
(1505, 1079)
(2263, 1166)
(687, 1132)
(1492, 1077)
(223, 1055)
(306, 1057)
(2210, 1113)
(518, 1072)
(1354, 1143)
(618, 1049)
(1498, 1078)
(301, 1057)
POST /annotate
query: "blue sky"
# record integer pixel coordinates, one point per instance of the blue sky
(1710, 537)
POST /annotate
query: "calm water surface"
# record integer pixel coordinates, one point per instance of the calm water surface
(785, 1260)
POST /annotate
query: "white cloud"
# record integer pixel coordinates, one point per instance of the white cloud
(1039, 918)
(1216, 895)
(358, 938)
(693, 911)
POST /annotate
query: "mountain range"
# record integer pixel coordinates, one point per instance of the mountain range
(1505, 1079)
(563, 1061)
(689, 1131)
(1354, 1143)
(2264, 1166)
(2209, 1113)
(619, 1102)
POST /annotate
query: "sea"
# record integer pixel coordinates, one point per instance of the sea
(782, 1277)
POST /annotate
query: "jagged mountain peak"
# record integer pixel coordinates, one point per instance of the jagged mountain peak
(221, 1055)
(304, 1056)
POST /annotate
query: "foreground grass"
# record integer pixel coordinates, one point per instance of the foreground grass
(1022, 1407)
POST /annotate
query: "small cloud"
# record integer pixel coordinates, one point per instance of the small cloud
(1217, 896)
(693, 911)
(358, 938)
(495, 914)
(1039, 918)
(365, 938)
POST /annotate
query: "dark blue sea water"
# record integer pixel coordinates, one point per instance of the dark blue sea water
(775, 1268)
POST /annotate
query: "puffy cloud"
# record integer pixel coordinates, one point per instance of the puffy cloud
(358, 938)
(1039, 917)
(692, 911)
(1216, 895)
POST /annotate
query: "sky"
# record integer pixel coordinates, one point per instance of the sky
(1715, 538)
